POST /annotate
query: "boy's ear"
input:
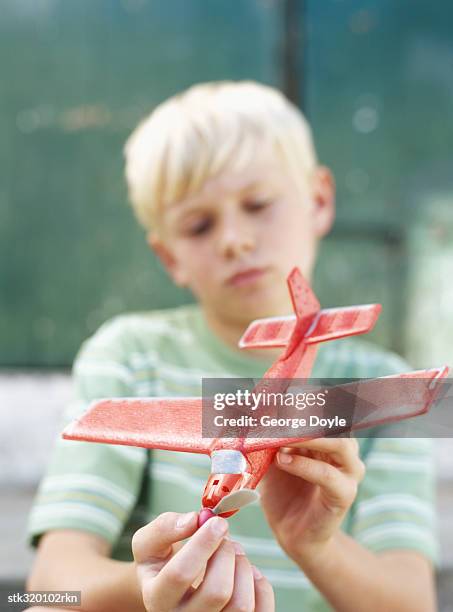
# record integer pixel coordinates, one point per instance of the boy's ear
(323, 194)
(167, 259)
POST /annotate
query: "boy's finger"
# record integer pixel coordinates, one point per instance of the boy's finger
(216, 590)
(264, 593)
(339, 445)
(154, 541)
(344, 451)
(243, 597)
(330, 478)
(168, 588)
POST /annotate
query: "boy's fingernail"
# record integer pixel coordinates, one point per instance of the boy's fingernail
(284, 458)
(218, 526)
(184, 520)
(256, 573)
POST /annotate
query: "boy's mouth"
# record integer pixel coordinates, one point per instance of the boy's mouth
(246, 277)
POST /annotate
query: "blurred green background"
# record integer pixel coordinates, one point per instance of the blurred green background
(374, 78)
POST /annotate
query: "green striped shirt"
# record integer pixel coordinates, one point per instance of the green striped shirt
(112, 490)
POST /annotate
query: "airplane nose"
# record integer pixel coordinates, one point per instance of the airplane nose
(219, 485)
(204, 515)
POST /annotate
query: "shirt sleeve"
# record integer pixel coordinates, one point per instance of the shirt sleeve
(88, 486)
(396, 502)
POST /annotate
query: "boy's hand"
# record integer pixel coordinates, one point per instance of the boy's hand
(306, 498)
(167, 572)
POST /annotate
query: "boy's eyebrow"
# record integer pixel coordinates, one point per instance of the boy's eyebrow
(181, 208)
(266, 182)
(178, 214)
(256, 184)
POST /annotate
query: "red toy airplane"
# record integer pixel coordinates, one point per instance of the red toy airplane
(238, 464)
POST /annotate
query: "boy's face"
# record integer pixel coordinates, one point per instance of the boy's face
(235, 241)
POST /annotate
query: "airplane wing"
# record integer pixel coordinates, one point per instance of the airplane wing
(366, 403)
(165, 423)
(332, 323)
(176, 423)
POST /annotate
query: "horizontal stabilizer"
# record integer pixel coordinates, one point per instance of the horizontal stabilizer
(328, 324)
(268, 333)
(332, 323)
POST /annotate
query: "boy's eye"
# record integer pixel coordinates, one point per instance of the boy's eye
(256, 205)
(199, 227)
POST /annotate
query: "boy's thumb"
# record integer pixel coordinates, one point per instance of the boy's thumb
(154, 541)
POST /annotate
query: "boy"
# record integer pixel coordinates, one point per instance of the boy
(225, 180)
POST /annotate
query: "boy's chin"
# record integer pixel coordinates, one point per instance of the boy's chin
(257, 305)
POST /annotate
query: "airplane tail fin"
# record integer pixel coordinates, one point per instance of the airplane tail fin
(305, 302)
(277, 332)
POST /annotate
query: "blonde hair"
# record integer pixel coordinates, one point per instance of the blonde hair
(195, 135)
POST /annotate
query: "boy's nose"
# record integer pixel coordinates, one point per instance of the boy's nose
(234, 241)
